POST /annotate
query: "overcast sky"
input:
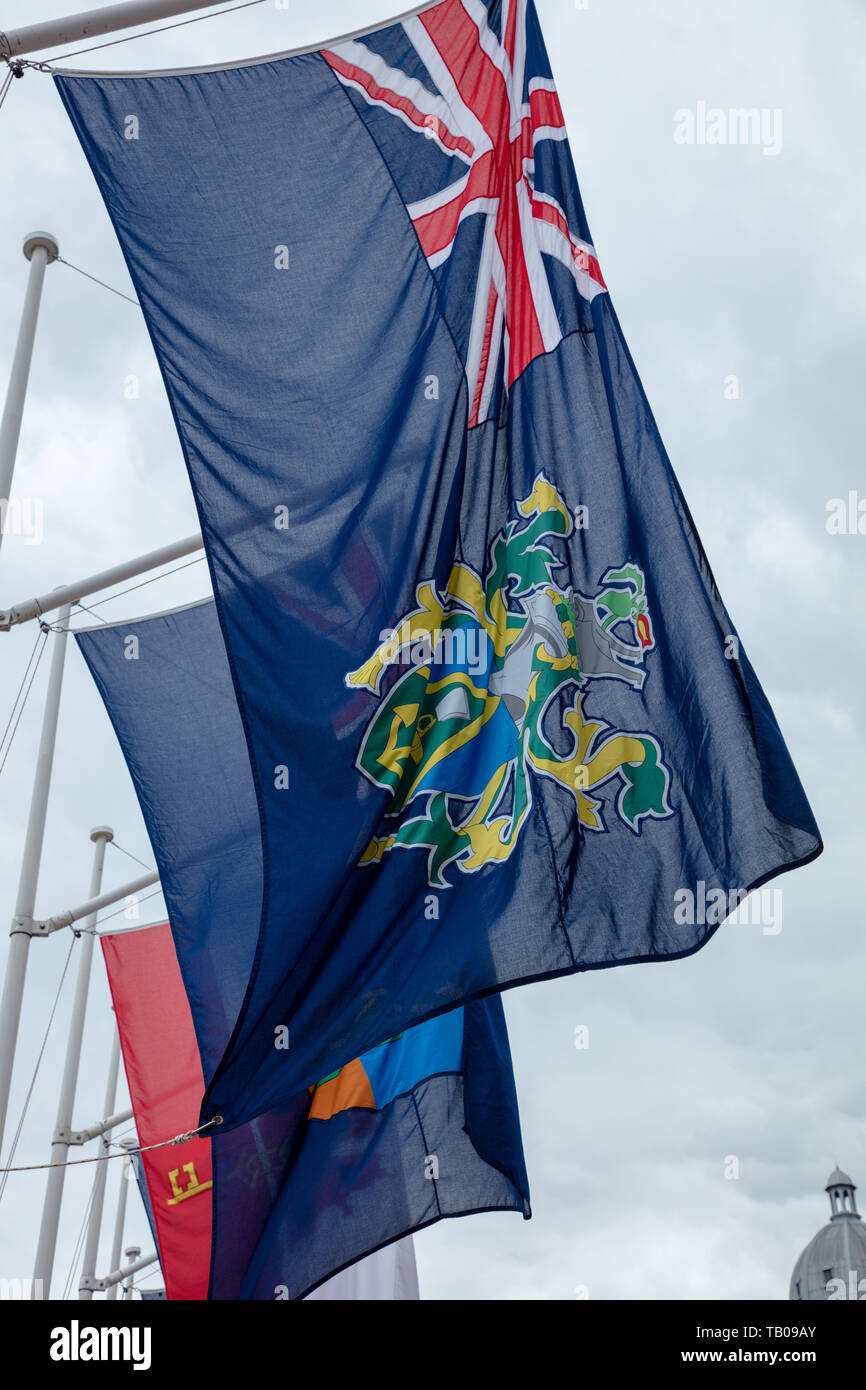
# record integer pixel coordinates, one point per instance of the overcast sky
(723, 261)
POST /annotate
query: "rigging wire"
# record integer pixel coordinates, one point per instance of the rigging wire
(143, 585)
(134, 857)
(41, 634)
(78, 1250)
(84, 608)
(55, 627)
(155, 894)
(7, 83)
(6, 1171)
(88, 276)
(122, 1134)
(146, 33)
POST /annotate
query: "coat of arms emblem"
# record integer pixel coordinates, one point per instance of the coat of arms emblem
(493, 698)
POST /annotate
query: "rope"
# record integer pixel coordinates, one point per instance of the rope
(87, 276)
(145, 33)
(27, 1098)
(43, 634)
(103, 1158)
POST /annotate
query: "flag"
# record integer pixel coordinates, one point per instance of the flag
(420, 1127)
(497, 716)
(137, 1172)
(163, 1072)
(348, 1169)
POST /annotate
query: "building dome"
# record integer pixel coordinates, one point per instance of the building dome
(834, 1262)
(839, 1179)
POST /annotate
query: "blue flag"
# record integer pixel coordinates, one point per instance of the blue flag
(421, 1127)
(499, 723)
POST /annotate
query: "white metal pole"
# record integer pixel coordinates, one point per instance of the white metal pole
(114, 895)
(60, 1143)
(133, 1254)
(40, 248)
(111, 1281)
(71, 593)
(83, 1136)
(53, 33)
(94, 1224)
(19, 942)
(126, 1177)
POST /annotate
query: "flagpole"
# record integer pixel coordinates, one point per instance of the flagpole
(19, 935)
(41, 249)
(126, 1177)
(133, 1253)
(60, 1142)
(91, 1248)
(114, 895)
(88, 24)
(105, 579)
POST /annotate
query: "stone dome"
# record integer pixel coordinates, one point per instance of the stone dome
(833, 1264)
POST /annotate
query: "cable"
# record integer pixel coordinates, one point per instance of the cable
(145, 33)
(145, 582)
(7, 83)
(76, 1253)
(45, 630)
(123, 1134)
(84, 608)
(55, 627)
(87, 276)
(39, 634)
(116, 913)
(27, 1098)
(133, 857)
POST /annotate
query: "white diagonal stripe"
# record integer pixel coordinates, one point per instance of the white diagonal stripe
(461, 119)
(551, 333)
(555, 243)
(398, 82)
(476, 205)
(479, 311)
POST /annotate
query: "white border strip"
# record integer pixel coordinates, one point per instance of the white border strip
(245, 62)
(142, 618)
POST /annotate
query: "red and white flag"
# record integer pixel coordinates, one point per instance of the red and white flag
(163, 1070)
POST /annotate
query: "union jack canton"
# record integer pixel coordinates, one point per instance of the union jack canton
(492, 193)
